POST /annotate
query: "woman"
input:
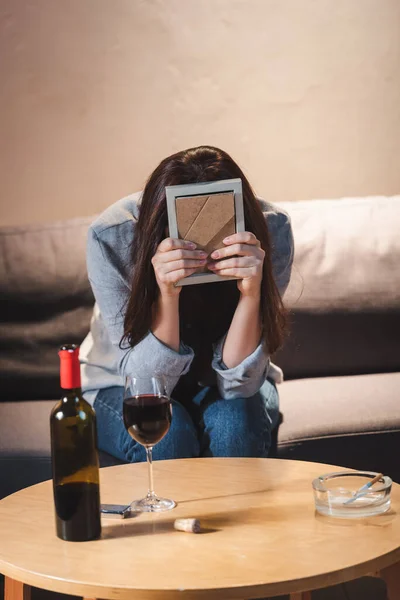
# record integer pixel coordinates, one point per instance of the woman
(212, 342)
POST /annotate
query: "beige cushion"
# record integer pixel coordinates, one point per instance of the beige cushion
(25, 428)
(347, 254)
(339, 406)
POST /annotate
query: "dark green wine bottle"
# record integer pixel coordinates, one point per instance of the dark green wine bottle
(74, 455)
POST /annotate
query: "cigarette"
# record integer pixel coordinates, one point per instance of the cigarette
(188, 525)
(364, 489)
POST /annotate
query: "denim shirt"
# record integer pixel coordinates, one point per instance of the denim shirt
(104, 363)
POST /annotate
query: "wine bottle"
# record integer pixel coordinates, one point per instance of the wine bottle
(75, 461)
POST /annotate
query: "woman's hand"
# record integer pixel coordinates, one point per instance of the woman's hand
(174, 260)
(243, 258)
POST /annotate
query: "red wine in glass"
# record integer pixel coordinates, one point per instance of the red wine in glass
(147, 418)
(147, 415)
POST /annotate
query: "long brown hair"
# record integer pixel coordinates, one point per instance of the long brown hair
(204, 163)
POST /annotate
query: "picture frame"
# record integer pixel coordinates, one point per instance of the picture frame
(209, 206)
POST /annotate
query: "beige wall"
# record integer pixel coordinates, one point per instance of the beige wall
(305, 94)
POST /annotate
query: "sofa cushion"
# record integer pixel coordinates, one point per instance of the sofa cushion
(347, 254)
(45, 301)
(344, 293)
(25, 428)
(351, 421)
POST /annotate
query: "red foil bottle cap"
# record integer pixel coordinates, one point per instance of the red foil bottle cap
(70, 369)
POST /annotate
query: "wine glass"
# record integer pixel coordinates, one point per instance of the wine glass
(147, 414)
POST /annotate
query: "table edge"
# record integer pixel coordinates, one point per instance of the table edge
(274, 588)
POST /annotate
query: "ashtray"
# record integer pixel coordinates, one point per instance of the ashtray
(339, 494)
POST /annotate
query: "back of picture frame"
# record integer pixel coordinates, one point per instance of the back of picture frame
(205, 213)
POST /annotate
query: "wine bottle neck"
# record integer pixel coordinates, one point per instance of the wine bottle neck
(72, 393)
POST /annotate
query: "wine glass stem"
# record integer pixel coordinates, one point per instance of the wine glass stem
(149, 453)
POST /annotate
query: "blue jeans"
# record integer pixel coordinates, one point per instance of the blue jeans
(207, 426)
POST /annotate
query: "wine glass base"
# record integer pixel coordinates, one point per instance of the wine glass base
(152, 504)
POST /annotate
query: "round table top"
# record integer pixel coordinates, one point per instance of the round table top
(261, 536)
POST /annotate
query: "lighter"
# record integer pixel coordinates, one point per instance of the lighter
(115, 511)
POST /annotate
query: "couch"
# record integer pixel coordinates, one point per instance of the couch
(340, 399)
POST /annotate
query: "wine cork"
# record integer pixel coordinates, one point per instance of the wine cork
(188, 525)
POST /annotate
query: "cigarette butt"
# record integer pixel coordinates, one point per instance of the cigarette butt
(188, 525)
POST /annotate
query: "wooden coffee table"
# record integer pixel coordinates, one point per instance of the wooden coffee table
(262, 537)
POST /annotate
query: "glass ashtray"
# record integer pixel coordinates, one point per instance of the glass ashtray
(335, 494)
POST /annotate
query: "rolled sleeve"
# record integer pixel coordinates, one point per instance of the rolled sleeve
(151, 357)
(246, 378)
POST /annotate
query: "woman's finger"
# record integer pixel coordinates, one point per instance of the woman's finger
(239, 273)
(169, 244)
(238, 249)
(181, 254)
(177, 265)
(237, 262)
(243, 237)
(174, 276)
